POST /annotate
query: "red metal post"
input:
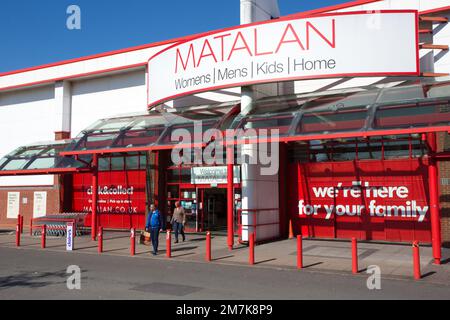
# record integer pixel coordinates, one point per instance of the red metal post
(31, 227)
(94, 196)
(100, 239)
(434, 200)
(208, 246)
(299, 252)
(168, 244)
(251, 259)
(301, 193)
(416, 260)
(43, 236)
(230, 197)
(133, 242)
(21, 223)
(354, 255)
(18, 235)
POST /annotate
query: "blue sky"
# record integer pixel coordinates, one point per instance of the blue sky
(34, 32)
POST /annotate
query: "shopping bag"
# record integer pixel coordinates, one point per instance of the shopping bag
(145, 238)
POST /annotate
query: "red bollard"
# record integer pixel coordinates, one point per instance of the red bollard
(31, 227)
(416, 260)
(133, 242)
(299, 252)
(251, 259)
(208, 246)
(168, 245)
(43, 236)
(18, 235)
(100, 239)
(354, 256)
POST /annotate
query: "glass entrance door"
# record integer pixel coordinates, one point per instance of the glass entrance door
(213, 207)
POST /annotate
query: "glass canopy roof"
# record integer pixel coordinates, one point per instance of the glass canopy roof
(355, 112)
(151, 129)
(41, 157)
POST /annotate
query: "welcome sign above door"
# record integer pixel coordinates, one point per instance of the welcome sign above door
(368, 43)
(214, 175)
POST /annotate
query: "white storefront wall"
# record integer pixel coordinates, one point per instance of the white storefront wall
(105, 97)
(26, 116)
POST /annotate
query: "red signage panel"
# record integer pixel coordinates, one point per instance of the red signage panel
(121, 198)
(371, 200)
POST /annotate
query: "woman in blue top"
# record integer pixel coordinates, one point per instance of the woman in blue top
(154, 224)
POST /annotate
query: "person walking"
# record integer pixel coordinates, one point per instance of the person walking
(154, 224)
(178, 221)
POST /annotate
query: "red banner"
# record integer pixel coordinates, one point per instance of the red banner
(121, 198)
(371, 200)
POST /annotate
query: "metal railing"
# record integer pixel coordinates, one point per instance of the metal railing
(255, 223)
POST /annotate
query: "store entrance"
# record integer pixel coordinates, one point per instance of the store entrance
(213, 204)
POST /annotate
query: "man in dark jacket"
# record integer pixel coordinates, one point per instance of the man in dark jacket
(154, 224)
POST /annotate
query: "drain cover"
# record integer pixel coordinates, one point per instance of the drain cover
(167, 289)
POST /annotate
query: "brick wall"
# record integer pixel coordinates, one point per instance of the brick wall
(444, 179)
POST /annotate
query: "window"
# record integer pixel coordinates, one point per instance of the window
(117, 163)
(186, 175)
(332, 121)
(15, 164)
(401, 93)
(2, 161)
(42, 163)
(132, 163)
(412, 115)
(188, 132)
(282, 123)
(345, 150)
(143, 162)
(173, 175)
(372, 148)
(104, 164)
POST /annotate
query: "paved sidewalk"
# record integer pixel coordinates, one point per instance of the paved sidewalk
(328, 256)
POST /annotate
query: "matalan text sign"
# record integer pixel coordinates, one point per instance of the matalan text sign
(339, 45)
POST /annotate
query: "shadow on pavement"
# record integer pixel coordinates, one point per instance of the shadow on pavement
(428, 274)
(198, 239)
(312, 264)
(221, 258)
(118, 249)
(263, 261)
(83, 248)
(58, 246)
(115, 238)
(183, 248)
(182, 255)
(32, 280)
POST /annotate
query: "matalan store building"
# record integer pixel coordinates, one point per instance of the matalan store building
(352, 103)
